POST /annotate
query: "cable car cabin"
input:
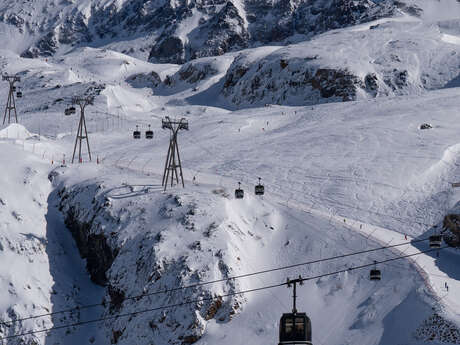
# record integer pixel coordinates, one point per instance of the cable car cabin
(375, 274)
(259, 190)
(70, 111)
(149, 134)
(435, 241)
(137, 134)
(19, 94)
(14, 89)
(239, 193)
(295, 329)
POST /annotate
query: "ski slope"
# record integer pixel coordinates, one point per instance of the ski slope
(339, 178)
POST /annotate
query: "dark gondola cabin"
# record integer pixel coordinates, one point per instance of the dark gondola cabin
(435, 241)
(70, 111)
(295, 329)
(239, 193)
(375, 274)
(259, 189)
(149, 134)
(137, 133)
(14, 89)
(19, 94)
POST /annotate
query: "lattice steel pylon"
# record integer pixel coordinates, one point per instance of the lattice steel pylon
(173, 158)
(11, 103)
(82, 102)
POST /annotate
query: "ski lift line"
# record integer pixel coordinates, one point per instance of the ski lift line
(267, 287)
(220, 280)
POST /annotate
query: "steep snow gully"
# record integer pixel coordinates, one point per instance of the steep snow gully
(41, 268)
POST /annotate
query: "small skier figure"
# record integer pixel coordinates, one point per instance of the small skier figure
(405, 237)
(194, 180)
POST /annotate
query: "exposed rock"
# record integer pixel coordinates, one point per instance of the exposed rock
(141, 80)
(132, 258)
(171, 49)
(287, 81)
(180, 31)
(451, 223)
(438, 329)
(425, 126)
(370, 82)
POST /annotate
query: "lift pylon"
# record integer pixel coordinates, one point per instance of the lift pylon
(82, 102)
(11, 103)
(173, 157)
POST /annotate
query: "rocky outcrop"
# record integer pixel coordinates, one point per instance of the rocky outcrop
(91, 243)
(288, 81)
(451, 224)
(176, 32)
(141, 80)
(438, 329)
(129, 239)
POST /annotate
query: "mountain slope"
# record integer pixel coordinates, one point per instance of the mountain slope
(176, 31)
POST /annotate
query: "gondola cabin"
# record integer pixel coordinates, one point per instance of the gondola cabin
(295, 328)
(239, 193)
(149, 134)
(137, 133)
(435, 241)
(259, 189)
(375, 275)
(70, 111)
(19, 94)
(14, 89)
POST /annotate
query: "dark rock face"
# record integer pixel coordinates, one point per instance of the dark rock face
(170, 50)
(438, 329)
(289, 81)
(140, 80)
(46, 46)
(131, 256)
(93, 247)
(183, 30)
(335, 83)
(223, 33)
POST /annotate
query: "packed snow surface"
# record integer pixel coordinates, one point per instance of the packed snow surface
(339, 178)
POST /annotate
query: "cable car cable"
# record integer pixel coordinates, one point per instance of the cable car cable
(80, 323)
(88, 306)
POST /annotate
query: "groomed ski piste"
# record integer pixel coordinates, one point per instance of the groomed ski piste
(340, 178)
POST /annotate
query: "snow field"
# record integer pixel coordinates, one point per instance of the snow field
(366, 162)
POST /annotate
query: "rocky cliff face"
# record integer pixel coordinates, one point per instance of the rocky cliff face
(178, 31)
(138, 242)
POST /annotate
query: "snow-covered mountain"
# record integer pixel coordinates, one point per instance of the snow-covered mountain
(322, 99)
(177, 31)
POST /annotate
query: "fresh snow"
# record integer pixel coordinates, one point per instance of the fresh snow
(340, 178)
